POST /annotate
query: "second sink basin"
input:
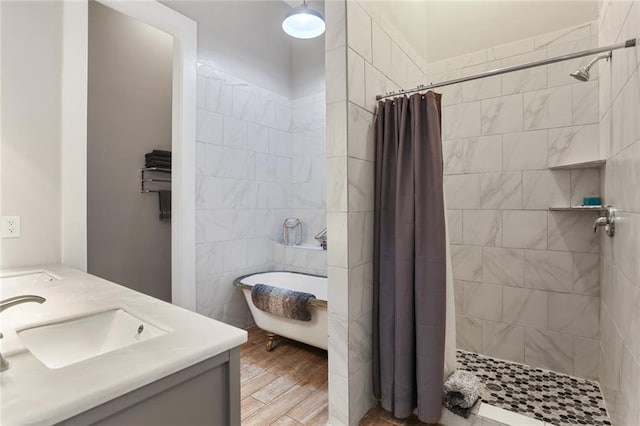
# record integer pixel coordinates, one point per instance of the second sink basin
(67, 342)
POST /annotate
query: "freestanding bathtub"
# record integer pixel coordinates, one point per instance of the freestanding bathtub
(312, 332)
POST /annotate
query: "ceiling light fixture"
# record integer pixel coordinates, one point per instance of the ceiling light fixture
(303, 22)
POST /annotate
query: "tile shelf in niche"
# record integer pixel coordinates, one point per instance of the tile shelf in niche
(576, 209)
(581, 165)
(302, 246)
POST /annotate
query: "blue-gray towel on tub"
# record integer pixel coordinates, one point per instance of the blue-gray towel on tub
(461, 391)
(282, 302)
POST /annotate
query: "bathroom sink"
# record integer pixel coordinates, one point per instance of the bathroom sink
(67, 342)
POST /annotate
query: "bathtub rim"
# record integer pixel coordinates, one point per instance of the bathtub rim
(313, 302)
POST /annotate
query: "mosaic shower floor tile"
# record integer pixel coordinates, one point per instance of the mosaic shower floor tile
(541, 394)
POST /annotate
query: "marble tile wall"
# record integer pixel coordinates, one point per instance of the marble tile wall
(619, 108)
(337, 214)
(247, 141)
(309, 165)
(526, 279)
(366, 56)
(308, 259)
(243, 185)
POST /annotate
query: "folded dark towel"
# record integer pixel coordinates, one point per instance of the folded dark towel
(462, 412)
(158, 158)
(158, 153)
(164, 199)
(156, 163)
(461, 391)
(151, 157)
(282, 302)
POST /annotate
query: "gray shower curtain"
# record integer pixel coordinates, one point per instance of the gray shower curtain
(410, 252)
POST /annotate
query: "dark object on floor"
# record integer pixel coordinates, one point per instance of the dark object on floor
(164, 199)
(461, 391)
(462, 412)
(282, 302)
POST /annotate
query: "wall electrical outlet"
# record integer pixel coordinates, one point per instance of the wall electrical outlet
(10, 226)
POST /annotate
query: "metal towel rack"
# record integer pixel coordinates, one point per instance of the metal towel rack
(144, 178)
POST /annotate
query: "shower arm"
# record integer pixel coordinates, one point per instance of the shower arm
(629, 43)
(606, 56)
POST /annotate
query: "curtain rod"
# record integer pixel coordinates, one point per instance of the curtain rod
(498, 71)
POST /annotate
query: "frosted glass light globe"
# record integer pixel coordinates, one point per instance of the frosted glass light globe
(303, 22)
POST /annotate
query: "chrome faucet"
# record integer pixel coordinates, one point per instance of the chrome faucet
(608, 221)
(13, 301)
(321, 237)
(601, 221)
(18, 300)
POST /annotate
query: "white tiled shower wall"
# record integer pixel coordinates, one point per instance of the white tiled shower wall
(361, 46)
(620, 269)
(245, 187)
(502, 134)
(307, 200)
(526, 279)
(309, 165)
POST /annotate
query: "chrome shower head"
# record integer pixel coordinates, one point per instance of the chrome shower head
(582, 74)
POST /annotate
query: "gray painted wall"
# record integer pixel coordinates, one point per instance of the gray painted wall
(129, 114)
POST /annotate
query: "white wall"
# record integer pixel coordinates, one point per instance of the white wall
(308, 125)
(254, 82)
(307, 193)
(441, 29)
(368, 55)
(308, 164)
(307, 60)
(244, 39)
(526, 280)
(129, 114)
(242, 186)
(620, 271)
(307, 67)
(31, 67)
(260, 160)
(349, 210)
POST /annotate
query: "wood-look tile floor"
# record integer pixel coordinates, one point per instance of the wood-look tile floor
(287, 386)
(378, 417)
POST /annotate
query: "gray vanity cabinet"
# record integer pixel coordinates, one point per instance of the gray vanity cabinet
(207, 393)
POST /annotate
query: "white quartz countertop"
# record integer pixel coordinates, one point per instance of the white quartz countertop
(32, 394)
